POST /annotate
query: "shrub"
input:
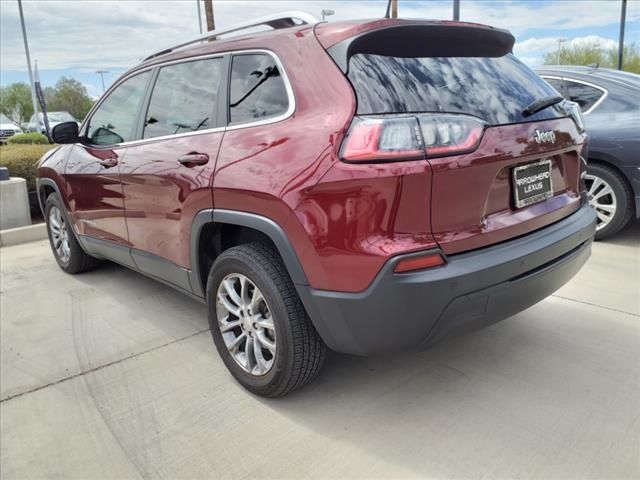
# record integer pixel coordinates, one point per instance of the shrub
(21, 160)
(33, 138)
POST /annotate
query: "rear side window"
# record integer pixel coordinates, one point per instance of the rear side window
(184, 98)
(115, 119)
(258, 90)
(494, 89)
(583, 95)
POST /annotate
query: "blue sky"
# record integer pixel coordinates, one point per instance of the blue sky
(77, 37)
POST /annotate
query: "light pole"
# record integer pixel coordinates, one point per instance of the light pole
(101, 73)
(456, 10)
(199, 16)
(26, 49)
(326, 12)
(560, 42)
(623, 14)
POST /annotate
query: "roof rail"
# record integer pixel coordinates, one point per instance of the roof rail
(276, 21)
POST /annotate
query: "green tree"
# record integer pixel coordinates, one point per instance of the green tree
(15, 102)
(594, 53)
(68, 95)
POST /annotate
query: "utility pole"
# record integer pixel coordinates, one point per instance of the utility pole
(623, 15)
(394, 8)
(101, 73)
(199, 16)
(456, 10)
(26, 49)
(208, 10)
(560, 41)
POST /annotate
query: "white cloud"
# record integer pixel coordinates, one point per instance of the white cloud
(75, 34)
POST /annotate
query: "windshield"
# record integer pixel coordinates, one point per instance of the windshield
(496, 90)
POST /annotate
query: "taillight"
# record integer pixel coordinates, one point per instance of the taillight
(445, 134)
(573, 110)
(391, 138)
(383, 139)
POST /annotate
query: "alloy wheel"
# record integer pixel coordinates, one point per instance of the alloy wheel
(59, 234)
(246, 324)
(602, 198)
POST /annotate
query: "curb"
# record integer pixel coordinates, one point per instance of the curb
(16, 236)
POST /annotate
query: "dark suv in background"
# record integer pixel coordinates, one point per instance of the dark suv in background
(370, 186)
(610, 103)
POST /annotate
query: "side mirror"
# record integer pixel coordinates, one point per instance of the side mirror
(65, 132)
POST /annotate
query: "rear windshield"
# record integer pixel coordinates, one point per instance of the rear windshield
(494, 89)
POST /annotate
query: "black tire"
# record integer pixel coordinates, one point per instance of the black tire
(78, 261)
(623, 196)
(300, 352)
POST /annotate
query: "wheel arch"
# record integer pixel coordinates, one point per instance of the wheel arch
(45, 187)
(208, 232)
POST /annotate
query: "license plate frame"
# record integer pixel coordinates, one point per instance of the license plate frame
(522, 197)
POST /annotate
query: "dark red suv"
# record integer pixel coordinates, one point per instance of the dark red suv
(366, 186)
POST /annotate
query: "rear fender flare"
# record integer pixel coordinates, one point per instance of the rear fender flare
(245, 219)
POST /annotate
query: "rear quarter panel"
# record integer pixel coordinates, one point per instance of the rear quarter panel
(269, 169)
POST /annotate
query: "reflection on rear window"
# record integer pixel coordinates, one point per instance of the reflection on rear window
(493, 89)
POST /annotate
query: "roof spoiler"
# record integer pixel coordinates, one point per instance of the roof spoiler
(425, 40)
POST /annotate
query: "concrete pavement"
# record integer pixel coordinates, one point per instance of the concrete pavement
(112, 375)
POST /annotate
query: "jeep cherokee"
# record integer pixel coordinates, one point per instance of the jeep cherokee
(366, 186)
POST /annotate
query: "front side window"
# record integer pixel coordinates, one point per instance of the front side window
(115, 119)
(184, 98)
(583, 95)
(257, 89)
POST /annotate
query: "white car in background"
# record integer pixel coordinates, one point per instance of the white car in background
(54, 119)
(7, 128)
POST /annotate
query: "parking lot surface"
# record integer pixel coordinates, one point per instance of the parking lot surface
(112, 375)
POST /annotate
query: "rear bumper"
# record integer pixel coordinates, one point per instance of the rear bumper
(474, 289)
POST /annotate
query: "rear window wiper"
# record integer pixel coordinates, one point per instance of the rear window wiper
(541, 104)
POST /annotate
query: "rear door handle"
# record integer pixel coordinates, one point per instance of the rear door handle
(192, 159)
(109, 162)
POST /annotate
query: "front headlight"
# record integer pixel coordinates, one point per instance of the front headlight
(573, 110)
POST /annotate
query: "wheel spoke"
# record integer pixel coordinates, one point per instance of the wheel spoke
(256, 298)
(249, 355)
(244, 292)
(261, 362)
(226, 326)
(266, 323)
(607, 208)
(603, 192)
(65, 249)
(230, 288)
(597, 183)
(226, 303)
(233, 346)
(604, 218)
(266, 343)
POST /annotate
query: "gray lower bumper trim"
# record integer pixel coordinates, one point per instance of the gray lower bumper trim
(474, 289)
